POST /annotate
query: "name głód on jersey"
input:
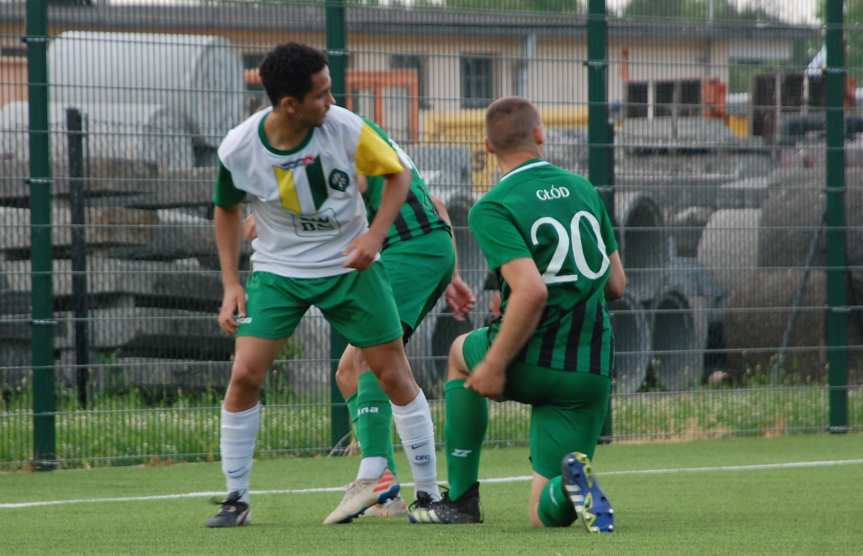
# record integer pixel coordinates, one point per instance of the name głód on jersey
(551, 194)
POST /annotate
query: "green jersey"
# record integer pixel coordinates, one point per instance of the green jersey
(556, 218)
(418, 215)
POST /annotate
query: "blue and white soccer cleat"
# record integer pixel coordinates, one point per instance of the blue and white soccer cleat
(591, 504)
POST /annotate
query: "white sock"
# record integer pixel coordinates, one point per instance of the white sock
(237, 445)
(371, 468)
(416, 430)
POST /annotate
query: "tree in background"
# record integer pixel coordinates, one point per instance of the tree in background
(559, 6)
(853, 35)
(723, 10)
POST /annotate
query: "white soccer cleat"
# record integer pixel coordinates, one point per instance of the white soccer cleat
(394, 507)
(363, 493)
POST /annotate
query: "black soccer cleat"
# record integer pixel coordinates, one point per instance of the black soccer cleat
(446, 511)
(233, 513)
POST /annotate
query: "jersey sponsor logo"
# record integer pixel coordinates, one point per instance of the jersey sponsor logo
(321, 224)
(297, 162)
(369, 410)
(458, 453)
(556, 192)
(339, 180)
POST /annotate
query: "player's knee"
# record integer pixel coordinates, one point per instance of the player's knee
(457, 368)
(346, 378)
(246, 377)
(535, 522)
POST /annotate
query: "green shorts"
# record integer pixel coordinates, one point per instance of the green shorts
(567, 408)
(419, 271)
(359, 305)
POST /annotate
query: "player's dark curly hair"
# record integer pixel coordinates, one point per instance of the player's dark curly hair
(288, 68)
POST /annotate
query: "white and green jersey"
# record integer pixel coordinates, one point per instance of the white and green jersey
(305, 201)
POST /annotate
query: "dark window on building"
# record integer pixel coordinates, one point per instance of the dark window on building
(664, 99)
(636, 100)
(414, 62)
(686, 95)
(690, 97)
(477, 81)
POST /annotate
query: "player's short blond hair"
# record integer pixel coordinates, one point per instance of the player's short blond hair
(509, 124)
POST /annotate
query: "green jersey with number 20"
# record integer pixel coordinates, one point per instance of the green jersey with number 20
(556, 218)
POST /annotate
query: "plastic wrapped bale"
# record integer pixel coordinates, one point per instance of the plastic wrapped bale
(150, 133)
(643, 243)
(631, 344)
(759, 314)
(793, 217)
(199, 77)
(679, 336)
(748, 193)
(687, 227)
(729, 246)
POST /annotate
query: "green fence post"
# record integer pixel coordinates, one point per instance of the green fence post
(44, 437)
(837, 316)
(336, 35)
(598, 130)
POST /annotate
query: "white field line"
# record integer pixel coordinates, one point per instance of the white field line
(519, 478)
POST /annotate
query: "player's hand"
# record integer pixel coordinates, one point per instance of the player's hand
(459, 297)
(233, 303)
(487, 379)
(494, 304)
(362, 251)
(250, 230)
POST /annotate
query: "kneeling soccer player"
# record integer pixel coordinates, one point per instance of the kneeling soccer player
(547, 234)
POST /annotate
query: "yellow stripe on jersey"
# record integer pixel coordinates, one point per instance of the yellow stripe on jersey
(375, 157)
(287, 189)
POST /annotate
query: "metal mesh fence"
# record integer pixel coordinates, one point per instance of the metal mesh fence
(717, 113)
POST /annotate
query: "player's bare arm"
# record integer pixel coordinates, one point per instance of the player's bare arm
(524, 310)
(459, 296)
(227, 222)
(361, 252)
(616, 278)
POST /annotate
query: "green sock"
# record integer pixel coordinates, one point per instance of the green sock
(464, 432)
(352, 408)
(374, 420)
(555, 509)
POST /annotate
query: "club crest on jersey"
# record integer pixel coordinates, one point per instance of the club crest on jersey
(321, 224)
(554, 193)
(339, 180)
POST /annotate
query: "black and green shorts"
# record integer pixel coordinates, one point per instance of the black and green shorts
(419, 271)
(568, 408)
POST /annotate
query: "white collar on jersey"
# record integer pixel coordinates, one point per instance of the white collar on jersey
(536, 164)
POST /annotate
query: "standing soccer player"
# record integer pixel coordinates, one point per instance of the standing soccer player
(297, 165)
(547, 234)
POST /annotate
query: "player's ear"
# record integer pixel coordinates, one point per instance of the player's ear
(539, 135)
(288, 104)
(488, 146)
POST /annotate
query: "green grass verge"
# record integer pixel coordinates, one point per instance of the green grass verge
(122, 430)
(776, 511)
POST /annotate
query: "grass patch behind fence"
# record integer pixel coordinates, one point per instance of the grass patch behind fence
(121, 429)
